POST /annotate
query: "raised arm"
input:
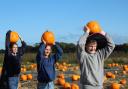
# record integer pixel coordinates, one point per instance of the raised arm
(81, 44)
(7, 43)
(59, 52)
(23, 47)
(105, 52)
(39, 54)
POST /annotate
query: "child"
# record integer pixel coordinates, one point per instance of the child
(46, 65)
(12, 64)
(91, 60)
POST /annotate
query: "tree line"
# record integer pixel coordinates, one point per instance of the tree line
(70, 48)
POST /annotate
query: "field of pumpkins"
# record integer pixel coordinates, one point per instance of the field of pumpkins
(68, 75)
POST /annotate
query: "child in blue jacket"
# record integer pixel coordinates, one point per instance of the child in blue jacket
(46, 65)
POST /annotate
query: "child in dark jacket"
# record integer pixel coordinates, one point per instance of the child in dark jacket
(12, 63)
(46, 65)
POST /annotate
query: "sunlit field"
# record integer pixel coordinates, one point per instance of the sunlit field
(68, 73)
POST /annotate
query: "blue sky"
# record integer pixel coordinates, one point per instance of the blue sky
(66, 18)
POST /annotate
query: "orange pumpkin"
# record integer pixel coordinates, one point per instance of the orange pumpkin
(67, 86)
(109, 65)
(124, 72)
(23, 69)
(113, 76)
(75, 77)
(76, 68)
(14, 37)
(116, 64)
(61, 81)
(0, 70)
(115, 86)
(94, 27)
(64, 63)
(29, 76)
(123, 81)
(113, 64)
(35, 66)
(125, 67)
(32, 67)
(74, 86)
(109, 74)
(61, 76)
(23, 77)
(48, 37)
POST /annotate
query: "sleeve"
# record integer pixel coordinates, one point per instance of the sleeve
(23, 47)
(7, 52)
(7, 43)
(81, 46)
(38, 58)
(59, 52)
(39, 54)
(107, 50)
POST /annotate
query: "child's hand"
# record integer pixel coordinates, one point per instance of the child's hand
(54, 43)
(86, 29)
(44, 41)
(103, 33)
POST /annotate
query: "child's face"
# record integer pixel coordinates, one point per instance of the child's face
(47, 50)
(91, 47)
(14, 48)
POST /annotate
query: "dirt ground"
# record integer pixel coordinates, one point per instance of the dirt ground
(32, 84)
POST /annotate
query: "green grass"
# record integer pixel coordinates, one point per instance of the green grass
(116, 57)
(1, 59)
(29, 58)
(69, 58)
